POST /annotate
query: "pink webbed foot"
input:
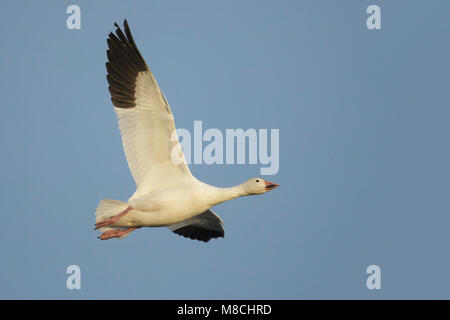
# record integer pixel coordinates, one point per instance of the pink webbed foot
(113, 219)
(116, 233)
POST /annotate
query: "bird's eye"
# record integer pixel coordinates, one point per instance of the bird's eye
(257, 180)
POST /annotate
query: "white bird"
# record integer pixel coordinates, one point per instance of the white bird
(167, 194)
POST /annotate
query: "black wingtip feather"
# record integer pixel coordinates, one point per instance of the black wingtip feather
(124, 63)
(196, 233)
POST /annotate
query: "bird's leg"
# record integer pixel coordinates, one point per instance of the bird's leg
(116, 233)
(113, 219)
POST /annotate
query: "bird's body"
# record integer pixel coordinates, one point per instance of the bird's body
(167, 193)
(166, 207)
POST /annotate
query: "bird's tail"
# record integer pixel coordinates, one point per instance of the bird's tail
(108, 208)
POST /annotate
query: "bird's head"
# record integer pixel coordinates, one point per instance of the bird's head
(258, 186)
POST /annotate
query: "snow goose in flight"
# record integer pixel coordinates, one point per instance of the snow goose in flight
(167, 194)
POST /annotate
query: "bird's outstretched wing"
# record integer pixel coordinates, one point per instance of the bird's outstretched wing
(146, 123)
(203, 227)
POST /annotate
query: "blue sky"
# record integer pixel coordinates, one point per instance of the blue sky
(364, 151)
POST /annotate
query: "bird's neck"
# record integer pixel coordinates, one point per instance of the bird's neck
(224, 194)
